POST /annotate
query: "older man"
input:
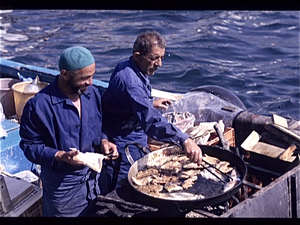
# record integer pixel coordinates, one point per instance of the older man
(129, 113)
(66, 114)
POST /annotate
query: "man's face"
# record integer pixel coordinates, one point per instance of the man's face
(80, 80)
(149, 63)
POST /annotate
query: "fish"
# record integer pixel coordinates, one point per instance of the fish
(181, 158)
(158, 162)
(142, 181)
(233, 182)
(212, 174)
(173, 186)
(210, 159)
(163, 179)
(224, 167)
(189, 173)
(171, 175)
(229, 185)
(148, 172)
(151, 189)
(171, 167)
(192, 166)
(188, 183)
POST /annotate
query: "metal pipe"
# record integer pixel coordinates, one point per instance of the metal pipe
(249, 184)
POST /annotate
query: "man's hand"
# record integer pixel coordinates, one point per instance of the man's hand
(108, 148)
(162, 103)
(192, 151)
(67, 157)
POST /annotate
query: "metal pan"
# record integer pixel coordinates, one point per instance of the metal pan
(188, 203)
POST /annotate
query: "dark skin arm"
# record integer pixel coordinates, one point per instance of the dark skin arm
(107, 148)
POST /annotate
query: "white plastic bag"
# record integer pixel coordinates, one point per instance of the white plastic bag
(182, 120)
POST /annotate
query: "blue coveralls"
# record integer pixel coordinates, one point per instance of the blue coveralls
(50, 122)
(129, 117)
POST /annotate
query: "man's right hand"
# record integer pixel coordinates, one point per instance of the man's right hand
(67, 157)
(192, 151)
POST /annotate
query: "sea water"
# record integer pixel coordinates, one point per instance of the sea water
(254, 54)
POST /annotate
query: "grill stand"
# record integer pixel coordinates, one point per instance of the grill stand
(279, 198)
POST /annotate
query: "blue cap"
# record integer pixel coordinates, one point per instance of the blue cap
(75, 58)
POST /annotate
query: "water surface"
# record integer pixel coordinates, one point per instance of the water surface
(254, 54)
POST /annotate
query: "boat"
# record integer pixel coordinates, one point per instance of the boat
(246, 129)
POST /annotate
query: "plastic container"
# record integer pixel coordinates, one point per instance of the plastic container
(7, 95)
(21, 97)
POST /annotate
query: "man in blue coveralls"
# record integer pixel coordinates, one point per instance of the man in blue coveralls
(129, 113)
(66, 114)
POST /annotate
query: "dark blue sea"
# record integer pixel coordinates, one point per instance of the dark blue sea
(254, 54)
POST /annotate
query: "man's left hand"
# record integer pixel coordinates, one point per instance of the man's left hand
(162, 103)
(108, 148)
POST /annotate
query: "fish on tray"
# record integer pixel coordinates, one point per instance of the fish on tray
(173, 175)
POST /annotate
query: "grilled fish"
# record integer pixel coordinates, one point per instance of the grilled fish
(171, 167)
(151, 189)
(173, 186)
(189, 182)
(147, 172)
(163, 179)
(142, 181)
(171, 175)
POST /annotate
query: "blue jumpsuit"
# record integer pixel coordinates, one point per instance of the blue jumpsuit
(50, 122)
(129, 117)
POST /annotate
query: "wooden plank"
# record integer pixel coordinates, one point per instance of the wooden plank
(286, 135)
(272, 151)
(288, 152)
(278, 120)
(295, 126)
(251, 141)
(297, 137)
(252, 144)
(267, 149)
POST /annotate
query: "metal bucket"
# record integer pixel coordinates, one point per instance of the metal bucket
(21, 97)
(7, 96)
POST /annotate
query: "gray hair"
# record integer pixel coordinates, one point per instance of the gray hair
(147, 40)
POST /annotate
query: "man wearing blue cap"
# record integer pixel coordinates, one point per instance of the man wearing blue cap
(66, 114)
(129, 114)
